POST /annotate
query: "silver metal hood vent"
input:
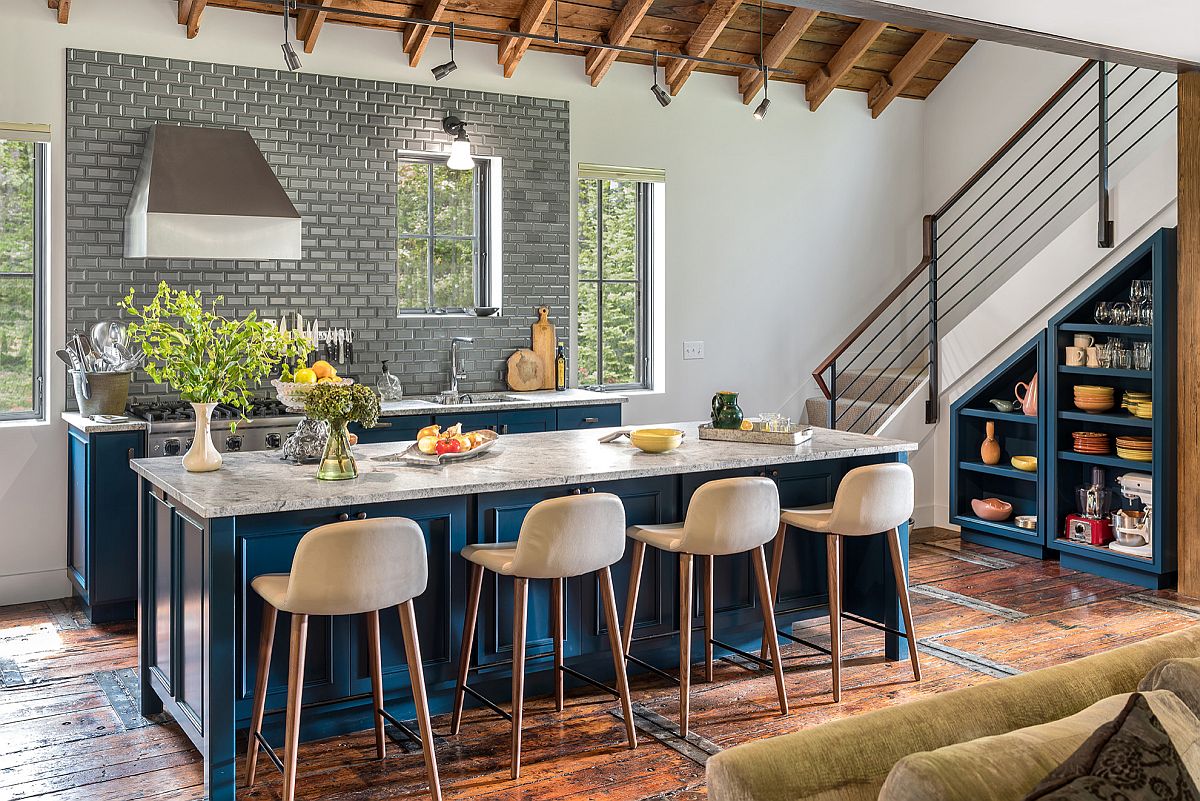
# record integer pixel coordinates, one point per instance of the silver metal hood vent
(208, 193)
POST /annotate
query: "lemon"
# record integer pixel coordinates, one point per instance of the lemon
(747, 425)
(305, 375)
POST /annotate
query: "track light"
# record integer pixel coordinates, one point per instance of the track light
(660, 95)
(761, 111)
(289, 55)
(460, 148)
(442, 70)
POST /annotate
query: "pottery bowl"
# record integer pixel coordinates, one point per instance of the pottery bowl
(656, 440)
(1026, 463)
(992, 509)
(1028, 522)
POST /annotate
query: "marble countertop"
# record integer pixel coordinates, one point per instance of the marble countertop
(543, 399)
(87, 425)
(260, 483)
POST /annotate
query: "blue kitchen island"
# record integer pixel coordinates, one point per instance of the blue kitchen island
(204, 537)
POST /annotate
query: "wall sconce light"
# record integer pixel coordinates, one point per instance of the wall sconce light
(460, 148)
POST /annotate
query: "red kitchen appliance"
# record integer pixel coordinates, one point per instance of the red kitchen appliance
(1090, 524)
(1089, 530)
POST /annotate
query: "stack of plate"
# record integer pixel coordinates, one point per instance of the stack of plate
(1091, 442)
(1137, 449)
(1138, 404)
(1093, 399)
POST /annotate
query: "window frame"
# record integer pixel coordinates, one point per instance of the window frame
(41, 190)
(643, 282)
(481, 186)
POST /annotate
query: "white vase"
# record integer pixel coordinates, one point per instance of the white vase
(203, 456)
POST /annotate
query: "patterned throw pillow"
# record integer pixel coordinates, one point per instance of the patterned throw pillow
(1132, 758)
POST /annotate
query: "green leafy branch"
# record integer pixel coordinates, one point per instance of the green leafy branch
(203, 356)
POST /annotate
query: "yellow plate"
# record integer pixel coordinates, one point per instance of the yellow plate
(1026, 463)
(656, 440)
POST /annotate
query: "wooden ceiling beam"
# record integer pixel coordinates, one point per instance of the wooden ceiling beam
(828, 76)
(190, 16)
(417, 37)
(511, 48)
(793, 29)
(890, 86)
(599, 61)
(718, 16)
(63, 7)
(309, 24)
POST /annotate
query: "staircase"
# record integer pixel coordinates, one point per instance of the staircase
(1096, 128)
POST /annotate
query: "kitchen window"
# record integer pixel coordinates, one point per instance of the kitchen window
(619, 222)
(443, 221)
(23, 190)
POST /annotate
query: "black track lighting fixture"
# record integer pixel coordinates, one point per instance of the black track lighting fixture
(761, 111)
(660, 94)
(289, 55)
(442, 70)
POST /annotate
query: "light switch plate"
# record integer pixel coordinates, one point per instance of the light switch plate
(693, 350)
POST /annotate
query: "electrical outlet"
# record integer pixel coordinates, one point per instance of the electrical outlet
(693, 350)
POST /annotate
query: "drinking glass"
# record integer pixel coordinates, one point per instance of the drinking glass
(1141, 355)
(1141, 291)
(1104, 352)
(1122, 358)
(1103, 313)
(1121, 314)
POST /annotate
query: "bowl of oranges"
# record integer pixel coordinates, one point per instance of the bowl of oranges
(292, 386)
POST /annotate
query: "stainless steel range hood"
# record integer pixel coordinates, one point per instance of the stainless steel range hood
(208, 193)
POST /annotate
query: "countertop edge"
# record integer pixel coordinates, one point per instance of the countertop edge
(87, 425)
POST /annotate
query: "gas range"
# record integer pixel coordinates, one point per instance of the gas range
(172, 424)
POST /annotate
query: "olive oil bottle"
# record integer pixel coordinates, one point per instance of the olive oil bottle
(560, 369)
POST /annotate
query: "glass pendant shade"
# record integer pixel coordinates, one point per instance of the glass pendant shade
(460, 155)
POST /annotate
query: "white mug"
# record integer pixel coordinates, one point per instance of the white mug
(1084, 340)
(1074, 357)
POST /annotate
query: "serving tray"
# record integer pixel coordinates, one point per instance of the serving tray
(412, 454)
(796, 435)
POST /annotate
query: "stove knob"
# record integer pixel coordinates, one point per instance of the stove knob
(171, 447)
(274, 440)
(233, 443)
(188, 445)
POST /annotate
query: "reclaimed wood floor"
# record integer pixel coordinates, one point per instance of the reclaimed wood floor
(69, 728)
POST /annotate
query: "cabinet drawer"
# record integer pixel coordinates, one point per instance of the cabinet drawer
(602, 416)
(471, 421)
(526, 421)
(392, 429)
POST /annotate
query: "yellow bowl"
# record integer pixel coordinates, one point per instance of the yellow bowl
(1026, 463)
(656, 440)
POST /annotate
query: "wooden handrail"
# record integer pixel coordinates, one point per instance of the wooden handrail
(928, 222)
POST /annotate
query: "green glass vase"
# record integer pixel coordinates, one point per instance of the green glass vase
(725, 410)
(338, 463)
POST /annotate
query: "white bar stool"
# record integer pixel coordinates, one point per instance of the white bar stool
(559, 538)
(727, 516)
(348, 568)
(870, 500)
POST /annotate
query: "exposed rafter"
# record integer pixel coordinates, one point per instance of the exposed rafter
(416, 37)
(890, 86)
(512, 48)
(828, 76)
(189, 15)
(704, 37)
(777, 50)
(598, 62)
(309, 24)
(63, 7)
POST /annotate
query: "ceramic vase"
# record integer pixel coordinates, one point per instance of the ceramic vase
(338, 463)
(990, 450)
(725, 410)
(202, 456)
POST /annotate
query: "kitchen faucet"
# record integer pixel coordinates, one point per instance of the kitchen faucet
(456, 371)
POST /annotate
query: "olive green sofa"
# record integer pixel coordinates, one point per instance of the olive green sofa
(849, 759)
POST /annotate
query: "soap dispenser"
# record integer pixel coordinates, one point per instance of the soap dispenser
(389, 386)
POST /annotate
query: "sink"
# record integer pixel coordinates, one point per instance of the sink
(467, 398)
(407, 403)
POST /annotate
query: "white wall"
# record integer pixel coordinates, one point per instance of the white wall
(779, 233)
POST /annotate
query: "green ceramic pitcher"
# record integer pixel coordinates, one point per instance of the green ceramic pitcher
(725, 410)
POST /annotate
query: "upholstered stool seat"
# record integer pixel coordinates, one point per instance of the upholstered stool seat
(348, 568)
(559, 539)
(725, 517)
(870, 500)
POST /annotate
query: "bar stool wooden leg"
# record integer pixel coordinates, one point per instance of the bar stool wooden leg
(557, 615)
(416, 677)
(614, 643)
(295, 693)
(468, 643)
(776, 569)
(374, 658)
(905, 605)
(708, 618)
(833, 559)
(266, 642)
(685, 640)
(759, 555)
(520, 609)
(635, 578)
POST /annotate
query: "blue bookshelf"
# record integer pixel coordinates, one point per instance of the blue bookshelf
(1154, 260)
(1019, 434)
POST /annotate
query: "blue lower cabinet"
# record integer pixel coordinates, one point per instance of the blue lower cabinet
(573, 417)
(526, 421)
(392, 429)
(102, 521)
(509, 421)
(471, 421)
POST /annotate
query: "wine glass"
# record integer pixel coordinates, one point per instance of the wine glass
(1103, 313)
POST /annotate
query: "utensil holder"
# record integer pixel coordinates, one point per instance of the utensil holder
(108, 392)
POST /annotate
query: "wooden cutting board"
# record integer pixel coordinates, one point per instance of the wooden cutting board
(544, 344)
(525, 372)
